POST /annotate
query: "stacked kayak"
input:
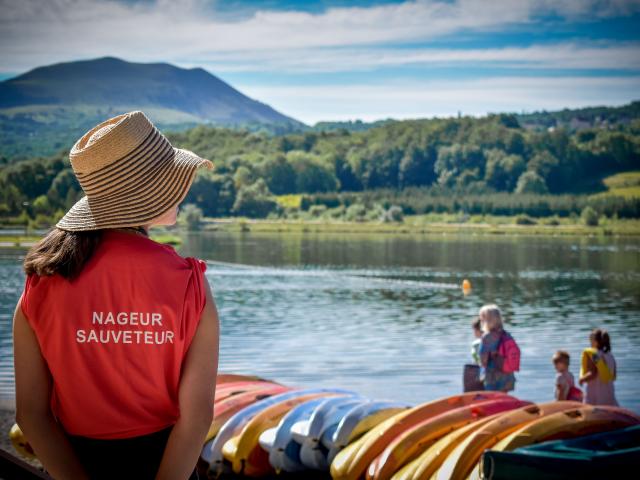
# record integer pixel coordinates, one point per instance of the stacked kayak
(613, 454)
(262, 428)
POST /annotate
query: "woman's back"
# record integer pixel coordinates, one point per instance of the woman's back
(599, 391)
(115, 337)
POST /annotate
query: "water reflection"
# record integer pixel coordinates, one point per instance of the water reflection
(385, 315)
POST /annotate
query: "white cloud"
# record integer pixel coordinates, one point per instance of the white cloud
(36, 32)
(444, 98)
(619, 56)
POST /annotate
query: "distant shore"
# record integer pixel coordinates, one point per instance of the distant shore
(412, 225)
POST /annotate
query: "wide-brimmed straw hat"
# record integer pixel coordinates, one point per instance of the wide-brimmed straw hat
(129, 172)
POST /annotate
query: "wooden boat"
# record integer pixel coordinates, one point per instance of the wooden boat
(415, 440)
(351, 463)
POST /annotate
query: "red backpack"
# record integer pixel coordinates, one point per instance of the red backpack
(510, 352)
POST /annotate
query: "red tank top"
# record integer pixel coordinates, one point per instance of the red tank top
(115, 337)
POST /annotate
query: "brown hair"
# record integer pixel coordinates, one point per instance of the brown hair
(561, 356)
(62, 252)
(601, 337)
(475, 324)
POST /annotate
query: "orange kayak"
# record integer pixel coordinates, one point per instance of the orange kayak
(225, 409)
(235, 377)
(230, 389)
(430, 460)
(352, 462)
(415, 440)
(460, 463)
(569, 424)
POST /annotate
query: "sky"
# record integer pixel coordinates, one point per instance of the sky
(345, 60)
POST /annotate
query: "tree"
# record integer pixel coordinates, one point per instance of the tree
(279, 175)
(502, 170)
(312, 175)
(589, 216)
(254, 201)
(416, 167)
(190, 216)
(531, 182)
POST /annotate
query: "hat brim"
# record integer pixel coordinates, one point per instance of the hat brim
(168, 186)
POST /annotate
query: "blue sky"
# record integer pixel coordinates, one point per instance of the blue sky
(339, 60)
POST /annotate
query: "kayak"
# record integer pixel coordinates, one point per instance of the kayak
(227, 390)
(569, 424)
(243, 451)
(324, 419)
(415, 440)
(284, 452)
(464, 458)
(235, 377)
(430, 460)
(225, 409)
(351, 462)
(361, 419)
(604, 455)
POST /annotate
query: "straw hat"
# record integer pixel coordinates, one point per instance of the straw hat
(129, 172)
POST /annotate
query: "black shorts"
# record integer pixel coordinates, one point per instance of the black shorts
(127, 458)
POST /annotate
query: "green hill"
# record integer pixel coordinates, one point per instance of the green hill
(49, 107)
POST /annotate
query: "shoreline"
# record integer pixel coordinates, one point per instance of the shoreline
(411, 226)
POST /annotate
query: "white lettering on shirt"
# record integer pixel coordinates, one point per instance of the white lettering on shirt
(138, 335)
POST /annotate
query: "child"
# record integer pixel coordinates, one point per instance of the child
(598, 370)
(565, 384)
(475, 346)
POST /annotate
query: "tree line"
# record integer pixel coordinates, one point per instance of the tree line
(489, 165)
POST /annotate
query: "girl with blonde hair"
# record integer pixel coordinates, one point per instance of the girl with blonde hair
(492, 375)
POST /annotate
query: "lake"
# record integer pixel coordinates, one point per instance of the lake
(384, 315)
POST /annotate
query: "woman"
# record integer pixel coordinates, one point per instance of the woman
(116, 335)
(598, 370)
(493, 377)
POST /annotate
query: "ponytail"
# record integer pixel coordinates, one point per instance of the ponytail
(601, 337)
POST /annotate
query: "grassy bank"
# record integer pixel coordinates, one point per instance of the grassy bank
(27, 240)
(423, 224)
(412, 225)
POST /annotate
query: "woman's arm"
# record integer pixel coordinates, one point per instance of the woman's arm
(592, 372)
(197, 392)
(33, 412)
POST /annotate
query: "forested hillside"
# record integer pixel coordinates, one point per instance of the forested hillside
(418, 164)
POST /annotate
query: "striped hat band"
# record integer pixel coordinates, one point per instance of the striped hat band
(130, 173)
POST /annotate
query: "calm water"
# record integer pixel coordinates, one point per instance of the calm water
(385, 316)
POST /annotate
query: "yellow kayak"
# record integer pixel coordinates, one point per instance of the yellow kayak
(352, 461)
(569, 424)
(244, 452)
(412, 442)
(430, 460)
(460, 463)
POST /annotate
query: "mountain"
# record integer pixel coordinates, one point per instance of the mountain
(53, 105)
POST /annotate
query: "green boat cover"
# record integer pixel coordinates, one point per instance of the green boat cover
(614, 454)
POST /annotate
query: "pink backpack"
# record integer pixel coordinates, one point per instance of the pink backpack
(510, 351)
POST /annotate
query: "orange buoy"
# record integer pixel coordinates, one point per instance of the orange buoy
(466, 286)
